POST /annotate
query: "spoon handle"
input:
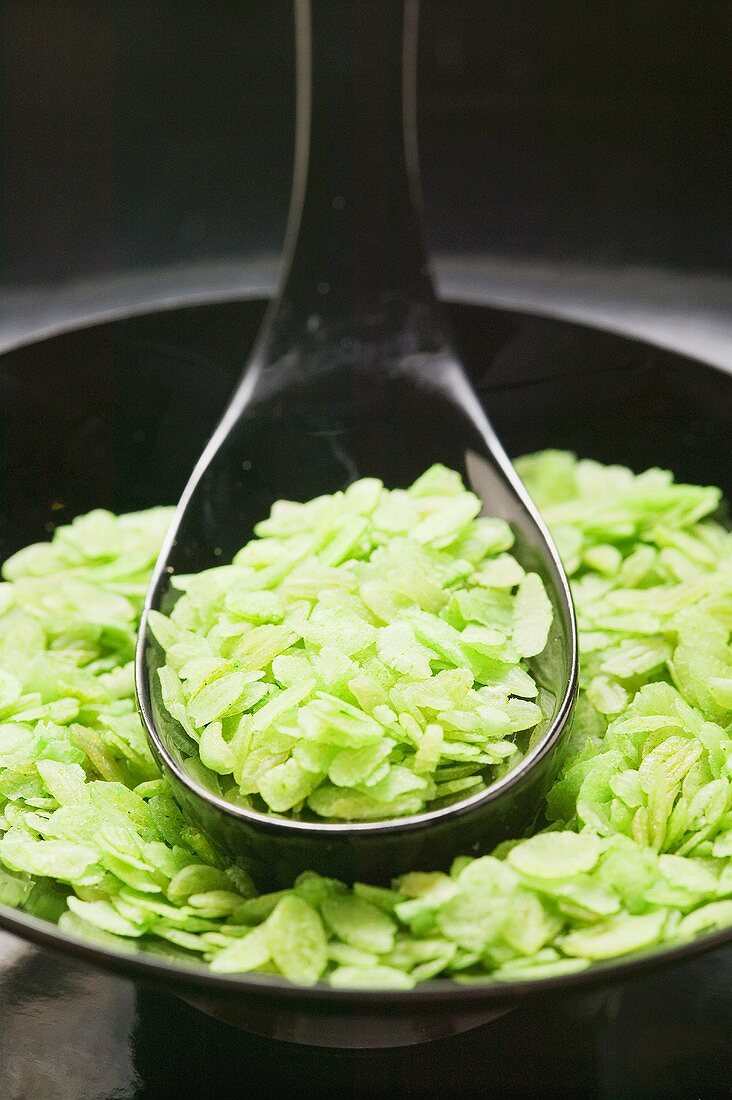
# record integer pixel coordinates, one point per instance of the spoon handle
(355, 264)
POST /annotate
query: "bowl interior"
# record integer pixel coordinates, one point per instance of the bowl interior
(86, 420)
(86, 416)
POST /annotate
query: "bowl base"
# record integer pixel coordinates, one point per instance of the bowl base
(346, 1030)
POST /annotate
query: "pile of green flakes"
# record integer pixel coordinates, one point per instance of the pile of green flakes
(638, 849)
(363, 657)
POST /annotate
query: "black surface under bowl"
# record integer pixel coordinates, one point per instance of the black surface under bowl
(84, 418)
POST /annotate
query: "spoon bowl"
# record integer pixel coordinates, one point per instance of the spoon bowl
(353, 374)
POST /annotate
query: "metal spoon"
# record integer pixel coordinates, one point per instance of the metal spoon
(353, 373)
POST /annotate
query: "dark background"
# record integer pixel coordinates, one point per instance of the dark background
(142, 133)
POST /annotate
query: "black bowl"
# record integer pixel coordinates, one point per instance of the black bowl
(86, 415)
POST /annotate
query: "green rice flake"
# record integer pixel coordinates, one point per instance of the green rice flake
(370, 977)
(344, 667)
(249, 952)
(341, 617)
(64, 860)
(532, 616)
(297, 940)
(359, 923)
(615, 937)
(555, 855)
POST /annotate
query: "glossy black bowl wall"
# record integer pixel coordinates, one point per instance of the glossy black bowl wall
(85, 417)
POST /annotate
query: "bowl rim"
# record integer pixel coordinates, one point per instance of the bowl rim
(435, 991)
